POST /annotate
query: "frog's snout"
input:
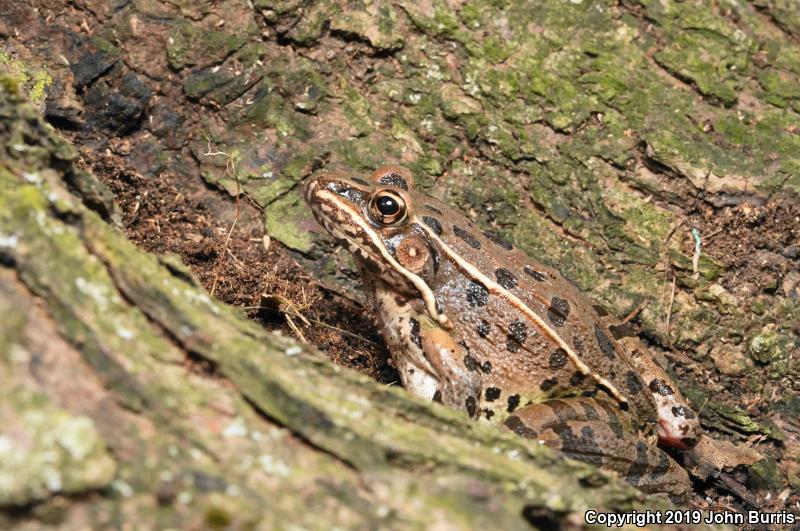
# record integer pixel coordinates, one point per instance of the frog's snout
(311, 188)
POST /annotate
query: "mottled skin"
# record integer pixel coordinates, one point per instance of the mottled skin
(476, 324)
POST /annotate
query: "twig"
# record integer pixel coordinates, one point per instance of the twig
(701, 407)
(698, 243)
(635, 312)
(311, 320)
(230, 170)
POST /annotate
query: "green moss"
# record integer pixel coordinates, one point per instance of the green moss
(357, 111)
(191, 44)
(217, 518)
(33, 81)
(765, 475)
(310, 27)
(438, 19)
(271, 110)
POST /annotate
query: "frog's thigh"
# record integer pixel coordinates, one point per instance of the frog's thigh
(596, 433)
(678, 425)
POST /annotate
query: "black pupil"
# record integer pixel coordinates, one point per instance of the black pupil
(388, 205)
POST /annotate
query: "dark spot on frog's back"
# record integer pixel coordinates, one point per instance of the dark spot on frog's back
(483, 328)
(558, 311)
(416, 338)
(494, 238)
(492, 394)
(548, 384)
(633, 383)
(657, 385)
(433, 223)
(477, 294)
(505, 278)
(513, 402)
(517, 334)
(518, 330)
(486, 367)
(392, 179)
(537, 275)
(471, 363)
(433, 209)
(558, 359)
(468, 238)
(604, 342)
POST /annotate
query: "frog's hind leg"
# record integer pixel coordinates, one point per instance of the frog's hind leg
(597, 432)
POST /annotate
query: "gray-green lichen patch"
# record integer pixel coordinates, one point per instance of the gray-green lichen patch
(33, 81)
(765, 475)
(45, 451)
(771, 346)
(283, 219)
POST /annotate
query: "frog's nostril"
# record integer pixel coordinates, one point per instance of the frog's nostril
(334, 186)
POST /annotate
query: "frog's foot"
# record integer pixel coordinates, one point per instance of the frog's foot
(678, 426)
(595, 431)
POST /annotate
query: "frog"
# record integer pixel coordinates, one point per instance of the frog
(474, 323)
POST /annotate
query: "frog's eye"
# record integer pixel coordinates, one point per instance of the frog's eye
(387, 208)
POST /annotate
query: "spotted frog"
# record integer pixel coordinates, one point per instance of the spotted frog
(476, 324)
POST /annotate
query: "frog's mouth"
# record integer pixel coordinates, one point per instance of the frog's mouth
(340, 207)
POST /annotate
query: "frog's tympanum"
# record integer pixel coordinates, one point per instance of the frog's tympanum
(476, 324)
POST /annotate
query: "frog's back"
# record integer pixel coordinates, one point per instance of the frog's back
(543, 336)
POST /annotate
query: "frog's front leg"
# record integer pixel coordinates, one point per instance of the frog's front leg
(430, 363)
(596, 431)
